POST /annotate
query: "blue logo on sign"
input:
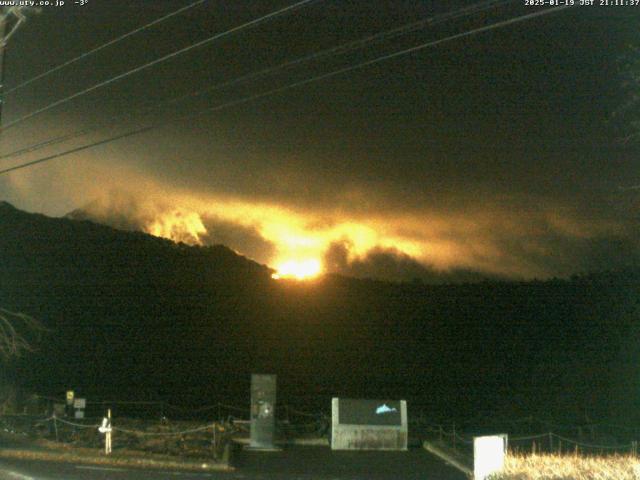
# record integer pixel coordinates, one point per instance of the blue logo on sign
(384, 409)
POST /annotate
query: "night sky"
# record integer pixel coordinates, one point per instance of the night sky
(511, 152)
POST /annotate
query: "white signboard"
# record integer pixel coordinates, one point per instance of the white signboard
(79, 414)
(488, 455)
(368, 424)
(80, 403)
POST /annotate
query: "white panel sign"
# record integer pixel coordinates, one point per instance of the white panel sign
(79, 414)
(80, 403)
(367, 424)
(488, 455)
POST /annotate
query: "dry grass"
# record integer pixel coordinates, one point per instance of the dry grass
(128, 459)
(29, 448)
(569, 467)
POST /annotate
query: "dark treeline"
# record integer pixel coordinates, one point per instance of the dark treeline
(137, 317)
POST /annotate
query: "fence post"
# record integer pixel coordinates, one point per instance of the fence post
(107, 438)
(215, 444)
(533, 447)
(55, 427)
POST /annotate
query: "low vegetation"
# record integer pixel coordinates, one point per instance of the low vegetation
(569, 467)
(177, 439)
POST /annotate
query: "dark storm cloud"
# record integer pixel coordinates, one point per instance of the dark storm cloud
(244, 240)
(393, 265)
(553, 253)
(118, 210)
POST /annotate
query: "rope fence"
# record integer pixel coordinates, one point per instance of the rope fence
(530, 437)
(591, 438)
(150, 430)
(165, 434)
(204, 439)
(72, 424)
(56, 419)
(550, 441)
(220, 408)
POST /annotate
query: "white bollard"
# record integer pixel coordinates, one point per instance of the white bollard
(106, 429)
(488, 455)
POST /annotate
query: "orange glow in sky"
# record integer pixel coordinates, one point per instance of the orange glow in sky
(298, 269)
(300, 239)
(179, 226)
(300, 244)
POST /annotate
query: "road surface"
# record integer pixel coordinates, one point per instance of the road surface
(296, 463)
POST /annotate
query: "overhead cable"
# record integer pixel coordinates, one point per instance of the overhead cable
(152, 63)
(340, 49)
(290, 86)
(101, 47)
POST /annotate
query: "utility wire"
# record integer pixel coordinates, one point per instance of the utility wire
(53, 141)
(333, 51)
(383, 58)
(103, 46)
(128, 73)
(274, 91)
(344, 48)
(79, 149)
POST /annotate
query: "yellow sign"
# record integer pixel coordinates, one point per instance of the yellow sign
(70, 396)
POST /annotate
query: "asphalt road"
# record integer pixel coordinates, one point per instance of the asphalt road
(298, 463)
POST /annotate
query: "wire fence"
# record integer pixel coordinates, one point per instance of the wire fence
(152, 426)
(218, 410)
(547, 442)
(590, 438)
(165, 437)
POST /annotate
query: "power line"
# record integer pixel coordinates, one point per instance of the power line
(274, 91)
(128, 73)
(350, 46)
(407, 51)
(53, 141)
(103, 46)
(340, 49)
(81, 148)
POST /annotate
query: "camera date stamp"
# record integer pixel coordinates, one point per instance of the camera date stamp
(42, 3)
(582, 3)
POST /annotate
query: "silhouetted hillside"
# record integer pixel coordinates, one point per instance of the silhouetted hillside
(136, 316)
(125, 212)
